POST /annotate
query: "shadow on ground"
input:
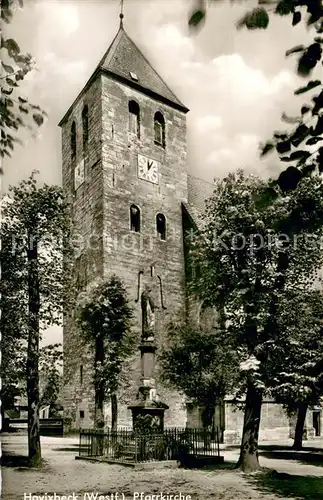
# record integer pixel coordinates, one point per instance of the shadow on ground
(309, 456)
(15, 461)
(21, 463)
(225, 466)
(73, 448)
(287, 447)
(289, 486)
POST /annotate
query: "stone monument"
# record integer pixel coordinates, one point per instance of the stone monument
(147, 407)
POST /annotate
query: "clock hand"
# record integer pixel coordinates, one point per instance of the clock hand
(150, 164)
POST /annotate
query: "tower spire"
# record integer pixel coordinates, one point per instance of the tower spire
(121, 14)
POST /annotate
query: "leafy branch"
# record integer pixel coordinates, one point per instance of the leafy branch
(309, 57)
(14, 113)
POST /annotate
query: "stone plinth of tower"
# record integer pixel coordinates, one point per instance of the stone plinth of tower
(147, 410)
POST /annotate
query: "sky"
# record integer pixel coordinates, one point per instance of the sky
(236, 83)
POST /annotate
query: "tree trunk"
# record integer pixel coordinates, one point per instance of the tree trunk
(99, 414)
(34, 450)
(208, 423)
(99, 397)
(4, 421)
(208, 416)
(248, 460)
(99, 388)
(114, 412)
(299, 429)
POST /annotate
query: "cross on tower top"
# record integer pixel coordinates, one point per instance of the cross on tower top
(121, 14)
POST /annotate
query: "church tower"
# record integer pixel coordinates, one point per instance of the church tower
(125, 168)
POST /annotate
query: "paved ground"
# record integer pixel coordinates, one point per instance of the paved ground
(299, 476)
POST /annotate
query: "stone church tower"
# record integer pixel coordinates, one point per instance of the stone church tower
(125, 168)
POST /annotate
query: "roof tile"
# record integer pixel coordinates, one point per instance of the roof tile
(198, 192)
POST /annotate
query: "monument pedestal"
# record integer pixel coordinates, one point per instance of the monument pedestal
(150, 415)
(147, 410)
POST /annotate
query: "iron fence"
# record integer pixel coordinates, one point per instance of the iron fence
(130, 446)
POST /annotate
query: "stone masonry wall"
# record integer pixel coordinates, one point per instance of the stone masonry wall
(125, 252)
(274, 425)
(101, 217)
(87, 216)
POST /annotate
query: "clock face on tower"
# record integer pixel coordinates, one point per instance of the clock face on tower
(147, 169)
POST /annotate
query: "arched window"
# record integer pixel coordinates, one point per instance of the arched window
(85, 123)
(161, 226)
(159, 129)
(135, 219)
(134, 118)
(73, 140)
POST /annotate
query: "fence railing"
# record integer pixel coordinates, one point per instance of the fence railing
(128, 445)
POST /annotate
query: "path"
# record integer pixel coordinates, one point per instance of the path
(64, 475)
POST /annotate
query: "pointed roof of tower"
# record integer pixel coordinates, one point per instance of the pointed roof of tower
(125, 61)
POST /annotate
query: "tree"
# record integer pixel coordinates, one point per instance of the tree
(297, 381)
(199, 364)
(50, 370)
(105, 321)
(12, 376)
(13, 339)
(35, 235)
(301, 146)
(307, 128)
(15, 111)
(247, 259)
(13, 321)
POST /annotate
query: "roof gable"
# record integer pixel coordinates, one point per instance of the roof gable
(123, 58)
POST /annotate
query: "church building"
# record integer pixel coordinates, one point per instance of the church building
(124, 155)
